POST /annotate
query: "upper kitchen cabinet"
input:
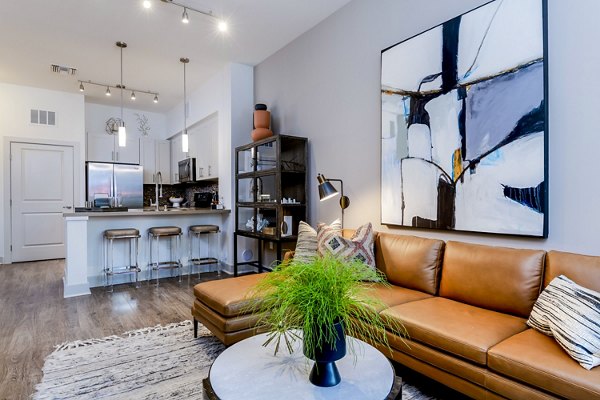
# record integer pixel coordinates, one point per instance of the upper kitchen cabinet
(105, 148)
(204, 146)
(176, 155)
(155, 157)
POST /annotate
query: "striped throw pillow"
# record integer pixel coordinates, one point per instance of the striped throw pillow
(570, 313)
(306, 246)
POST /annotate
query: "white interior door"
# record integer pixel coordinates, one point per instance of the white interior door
(41, 182)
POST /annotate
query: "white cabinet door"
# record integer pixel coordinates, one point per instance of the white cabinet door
(163, 160)
(104, 148)
(100, 147)
(213, 154)
(130, 154)
(176, 155)
(204, 144)
(148, 159)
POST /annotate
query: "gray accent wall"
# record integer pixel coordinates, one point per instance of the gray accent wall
(325, 86)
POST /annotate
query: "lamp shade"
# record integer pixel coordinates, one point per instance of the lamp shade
(326, 189)
(122, 136)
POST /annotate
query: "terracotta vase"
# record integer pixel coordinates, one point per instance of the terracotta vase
(262, 125)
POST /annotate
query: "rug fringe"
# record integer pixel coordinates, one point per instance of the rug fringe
(137, 332)
(85, 342)
(157, 328)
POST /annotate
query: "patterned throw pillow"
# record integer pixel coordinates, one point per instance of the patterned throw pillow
(359, 247)
(306, 246)
(570, 313)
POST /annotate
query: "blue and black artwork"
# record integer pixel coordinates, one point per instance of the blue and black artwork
(463, 123)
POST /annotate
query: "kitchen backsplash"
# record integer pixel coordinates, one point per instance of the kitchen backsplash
(186, 191)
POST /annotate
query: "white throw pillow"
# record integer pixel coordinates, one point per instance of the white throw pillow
(570, 313)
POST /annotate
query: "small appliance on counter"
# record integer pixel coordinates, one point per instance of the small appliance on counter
(187, 170)
(203, 200)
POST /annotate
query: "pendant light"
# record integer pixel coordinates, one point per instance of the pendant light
(184, 133)
(122, 132)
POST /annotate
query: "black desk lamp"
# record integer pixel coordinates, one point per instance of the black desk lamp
(327, 191)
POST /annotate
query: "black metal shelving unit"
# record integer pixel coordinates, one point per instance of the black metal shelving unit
(271, 193)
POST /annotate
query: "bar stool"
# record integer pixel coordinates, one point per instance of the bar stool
(110, 235)
(170, 232)
(208, 232)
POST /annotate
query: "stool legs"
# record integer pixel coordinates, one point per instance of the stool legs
(208, 258)
(175, 257)
(132, 264)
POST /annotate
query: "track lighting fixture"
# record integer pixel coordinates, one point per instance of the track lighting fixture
(132, 95)
(81, 88)
(107, 91)
(221, 24)
(155, 99)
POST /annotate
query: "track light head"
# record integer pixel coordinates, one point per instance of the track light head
(81, 88)
(185, 18)
(132, 95)
(222, 26)
(147, 4)
(155, 98)
(107, 91)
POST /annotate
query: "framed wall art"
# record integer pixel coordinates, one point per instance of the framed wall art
(464, 123)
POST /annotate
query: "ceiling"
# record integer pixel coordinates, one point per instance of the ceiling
(82, 34)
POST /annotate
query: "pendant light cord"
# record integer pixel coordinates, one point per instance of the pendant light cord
(184, 102)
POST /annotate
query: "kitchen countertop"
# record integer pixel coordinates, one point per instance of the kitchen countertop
(147, 212)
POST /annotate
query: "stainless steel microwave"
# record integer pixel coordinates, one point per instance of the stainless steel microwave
(187, 170)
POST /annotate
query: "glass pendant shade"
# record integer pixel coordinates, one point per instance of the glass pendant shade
(122, 136)
(185, 144)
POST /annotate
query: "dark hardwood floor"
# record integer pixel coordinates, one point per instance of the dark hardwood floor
(34, 317)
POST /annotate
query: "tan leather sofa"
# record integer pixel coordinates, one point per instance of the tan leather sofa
(464, 307)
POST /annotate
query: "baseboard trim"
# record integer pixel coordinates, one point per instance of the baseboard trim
(76, 290)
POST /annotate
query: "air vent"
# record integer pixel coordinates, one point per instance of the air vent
(43, 117)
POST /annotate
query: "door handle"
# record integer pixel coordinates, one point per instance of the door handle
(68, 207)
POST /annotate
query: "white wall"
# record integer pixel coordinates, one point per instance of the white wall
(15, 105)
(96, 116)
(325, 86)
(230, 94)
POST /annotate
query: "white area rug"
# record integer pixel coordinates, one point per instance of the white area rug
(163, 362)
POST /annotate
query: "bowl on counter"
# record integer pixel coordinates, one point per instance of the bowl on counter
(176, 201)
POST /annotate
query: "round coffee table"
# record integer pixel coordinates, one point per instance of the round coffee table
(248, 370)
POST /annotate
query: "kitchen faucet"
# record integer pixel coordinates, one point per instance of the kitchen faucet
(157, 188)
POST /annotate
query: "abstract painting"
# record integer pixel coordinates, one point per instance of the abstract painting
(464, 123)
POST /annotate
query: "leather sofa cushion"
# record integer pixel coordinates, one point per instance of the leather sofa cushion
(409, 261)
(228, 297)
(583, 270)
(393, 295)
(456, 328)
(227, 325)
(497, 278)
(538, 360)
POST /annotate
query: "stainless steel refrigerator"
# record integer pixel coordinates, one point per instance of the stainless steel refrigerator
(122, 183)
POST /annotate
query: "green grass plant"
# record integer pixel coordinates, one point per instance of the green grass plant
(311, 297)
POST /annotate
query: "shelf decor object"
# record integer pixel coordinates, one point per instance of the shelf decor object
(271, 193)
(327, 191)
(464, 134)
(262, 123)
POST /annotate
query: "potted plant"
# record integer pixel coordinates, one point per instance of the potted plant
(322, 301)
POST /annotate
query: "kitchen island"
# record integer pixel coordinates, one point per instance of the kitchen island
(84, 232)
